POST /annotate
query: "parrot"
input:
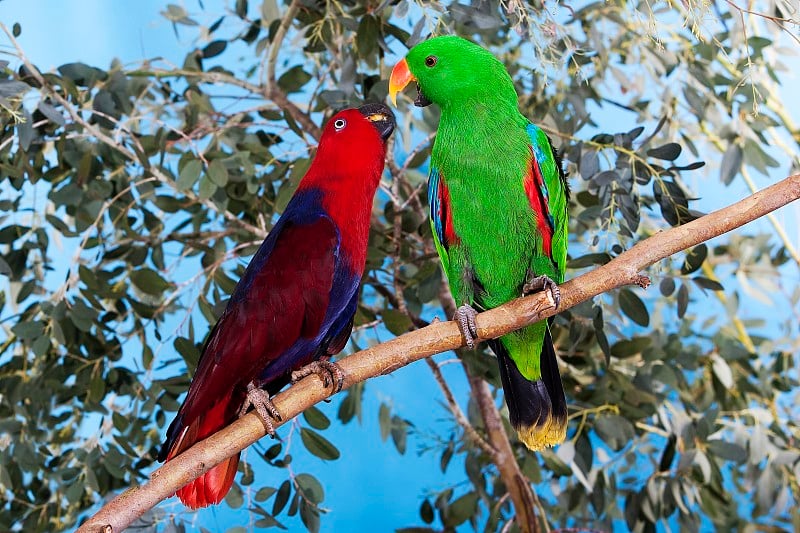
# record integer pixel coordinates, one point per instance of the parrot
(498, 198)
(294, 305)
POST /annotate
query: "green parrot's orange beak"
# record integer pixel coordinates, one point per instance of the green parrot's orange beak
(399, 79)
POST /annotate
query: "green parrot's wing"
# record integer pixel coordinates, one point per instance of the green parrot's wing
(441, 217)
(547, 191)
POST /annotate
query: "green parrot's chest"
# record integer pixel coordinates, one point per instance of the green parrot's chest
(494, 223)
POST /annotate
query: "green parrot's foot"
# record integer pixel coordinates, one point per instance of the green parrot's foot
(465, 316)
(538, 283)
(261, 402)
(330, 373)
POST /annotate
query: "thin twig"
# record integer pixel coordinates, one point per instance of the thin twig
(457, 412)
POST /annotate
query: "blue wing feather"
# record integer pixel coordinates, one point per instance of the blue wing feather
(438, 215)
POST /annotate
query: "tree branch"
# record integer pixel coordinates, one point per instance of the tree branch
(438, 337)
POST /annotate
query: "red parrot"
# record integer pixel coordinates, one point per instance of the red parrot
(295, 303)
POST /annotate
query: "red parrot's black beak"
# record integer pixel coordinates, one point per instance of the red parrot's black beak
(381, 117)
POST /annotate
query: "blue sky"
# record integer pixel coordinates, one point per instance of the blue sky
(371, 483)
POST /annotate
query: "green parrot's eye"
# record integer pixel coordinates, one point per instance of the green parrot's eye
(430, 61)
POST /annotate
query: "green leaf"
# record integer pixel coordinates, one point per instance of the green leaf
(217, 173)
(462, 509)
(667, 286)
(667, 152)
(310, 487)
(589, 260)
(633, 307)
(367, 35)
(149, 281)
(28, 330)
(188, 350)
(615, 431)
(294, 79)
(396, 321)
(731, 163)
(384, 421)
(207, 188)
(235, 498)
(555, 464)
(627, 348)
(214, 48)
(265, 493)
(683, 300)
(694, 259)
(316, 418)
(282, 497)
(757, 157)
(309, 515)
(189, 174)
(722, 370)
(177, 14)
(318, 445)
(82, 74)
(727, 450)
(426, 511)
(710, 284)
(241, 8)
(399, 434)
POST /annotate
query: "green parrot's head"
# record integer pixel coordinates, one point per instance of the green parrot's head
(449, 71)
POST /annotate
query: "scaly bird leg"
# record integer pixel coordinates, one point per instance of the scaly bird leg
(327, 371)
(535, 283)
(260, 400)
(465, 316)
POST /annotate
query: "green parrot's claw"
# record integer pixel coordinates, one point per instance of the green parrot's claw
(538, 283)
(465, 316)
(259, 399)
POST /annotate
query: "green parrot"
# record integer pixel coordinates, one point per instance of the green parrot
(498, 200)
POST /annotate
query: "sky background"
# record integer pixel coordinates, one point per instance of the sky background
(97, 31)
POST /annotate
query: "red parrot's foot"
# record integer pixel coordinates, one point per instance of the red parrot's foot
(259, 399)
(537, 283)
(465, 316)
(330, 373)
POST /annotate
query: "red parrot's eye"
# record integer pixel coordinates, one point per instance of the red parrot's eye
(430, 61)
(339, 124)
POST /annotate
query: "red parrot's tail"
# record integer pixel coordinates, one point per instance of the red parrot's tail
(214, 484)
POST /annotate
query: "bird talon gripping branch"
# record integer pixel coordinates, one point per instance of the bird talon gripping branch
(537, 283)
(330, 373)
(465, 316)
(260, 400)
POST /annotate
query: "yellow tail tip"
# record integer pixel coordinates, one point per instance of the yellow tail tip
(538, 437)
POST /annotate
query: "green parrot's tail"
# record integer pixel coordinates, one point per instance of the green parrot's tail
(537, 409)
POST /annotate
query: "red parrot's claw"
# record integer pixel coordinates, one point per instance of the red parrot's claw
(538, 283)
(465, 316)
(327, 371)
(261, 402)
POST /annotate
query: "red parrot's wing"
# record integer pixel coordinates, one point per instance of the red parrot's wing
(282, 298)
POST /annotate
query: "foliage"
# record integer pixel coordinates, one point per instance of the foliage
(127, 192)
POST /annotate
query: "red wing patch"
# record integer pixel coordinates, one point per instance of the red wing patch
(536, 191)
(441, 215)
